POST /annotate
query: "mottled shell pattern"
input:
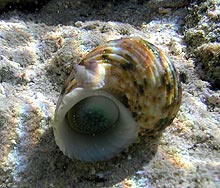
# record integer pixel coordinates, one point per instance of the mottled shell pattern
(123, 87)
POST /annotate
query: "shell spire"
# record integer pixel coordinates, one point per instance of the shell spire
(92, 75)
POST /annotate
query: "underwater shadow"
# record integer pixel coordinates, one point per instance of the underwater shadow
(68, 12)
(48, 167)
(25, 6)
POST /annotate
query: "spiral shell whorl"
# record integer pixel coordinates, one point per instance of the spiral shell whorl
(137, 75)
(142, 73)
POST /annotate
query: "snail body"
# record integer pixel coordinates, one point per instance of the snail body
(117, 90)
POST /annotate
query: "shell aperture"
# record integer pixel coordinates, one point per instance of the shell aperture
(93, 115)
(117, 90)
(93, 147)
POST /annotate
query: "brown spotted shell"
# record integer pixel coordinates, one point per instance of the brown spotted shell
(141, 82)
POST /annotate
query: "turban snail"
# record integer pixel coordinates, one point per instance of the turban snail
(116, 91)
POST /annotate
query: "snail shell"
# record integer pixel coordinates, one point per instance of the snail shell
(117, 90)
